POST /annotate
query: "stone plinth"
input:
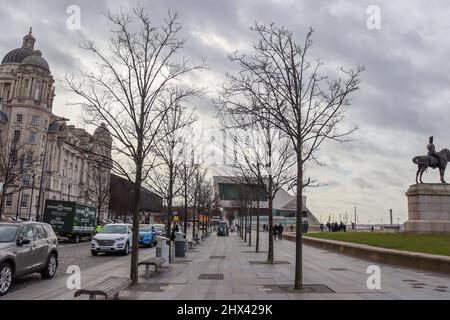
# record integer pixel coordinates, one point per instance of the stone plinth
(428, 208)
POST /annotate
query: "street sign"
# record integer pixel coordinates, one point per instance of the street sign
(175, 219)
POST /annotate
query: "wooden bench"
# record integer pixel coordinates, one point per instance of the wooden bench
(109, 287)
(156, 261)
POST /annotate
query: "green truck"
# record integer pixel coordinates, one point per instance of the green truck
(70, 219)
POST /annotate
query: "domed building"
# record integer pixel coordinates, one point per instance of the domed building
(47, 158)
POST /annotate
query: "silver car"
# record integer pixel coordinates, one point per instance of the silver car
(26, 248)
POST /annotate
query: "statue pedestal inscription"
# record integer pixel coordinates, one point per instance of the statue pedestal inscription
(428, 208)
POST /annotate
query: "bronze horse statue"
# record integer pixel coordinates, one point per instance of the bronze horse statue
(425, 162)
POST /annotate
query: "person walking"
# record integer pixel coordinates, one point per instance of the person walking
(280, 231)
(275, 232)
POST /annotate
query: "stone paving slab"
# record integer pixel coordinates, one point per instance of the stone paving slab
(345, 275)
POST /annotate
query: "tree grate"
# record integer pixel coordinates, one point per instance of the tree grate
(217, 257)
(211, 276)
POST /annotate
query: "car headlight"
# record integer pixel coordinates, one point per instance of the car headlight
(120, 239)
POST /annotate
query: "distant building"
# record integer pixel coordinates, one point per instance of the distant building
(122, 199)
(65, 154)
(233, 194)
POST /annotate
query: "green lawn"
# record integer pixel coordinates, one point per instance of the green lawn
(426, 243)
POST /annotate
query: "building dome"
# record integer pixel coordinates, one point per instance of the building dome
(20, 54)
(36, 60)
(101, 130)
(17, 55)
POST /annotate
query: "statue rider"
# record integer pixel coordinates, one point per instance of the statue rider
(432, 151)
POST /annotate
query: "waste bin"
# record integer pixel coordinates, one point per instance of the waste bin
(180, 245)
(162, 250)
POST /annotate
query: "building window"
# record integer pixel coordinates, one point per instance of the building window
(26, 180)
(24, 201)
(29, 157)
(32, 138)
(27, 88)
(14, 156)
(19, 118)
(16, 137)
(37, 91)
(8, 201)
(34, 120)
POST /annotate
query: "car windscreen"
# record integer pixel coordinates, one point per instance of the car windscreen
(8, 233)
(114, 229)
(145, 228)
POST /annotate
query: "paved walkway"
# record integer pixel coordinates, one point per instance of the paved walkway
(230, 256)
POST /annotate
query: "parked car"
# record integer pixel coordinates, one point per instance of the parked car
(160, 230)
(113, 238)
(25, 248)
(147, 235)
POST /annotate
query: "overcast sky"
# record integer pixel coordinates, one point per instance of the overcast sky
(404, 95)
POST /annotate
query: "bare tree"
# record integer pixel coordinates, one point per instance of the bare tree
(306, 105)
(170, 157)
(262, 156)
(187, 174)
(16, 165)
(135, 83)
(98, 188)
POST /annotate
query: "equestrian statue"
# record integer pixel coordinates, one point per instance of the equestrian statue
(434, 160)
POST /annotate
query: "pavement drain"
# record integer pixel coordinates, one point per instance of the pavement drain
(409, 280)
(265, 262)
(166, 288)
(442, 287)
(338, 269)
(417, 287)
(307, 288)
(211, 276)
(217, 257)
(151, 287)
(440, 290)
(253, 251)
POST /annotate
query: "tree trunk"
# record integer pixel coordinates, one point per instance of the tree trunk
(2, 200)
(245, 228)
(257, 226)
(270, 251)
(193, 223)
(135, 237)
(185, 211)
(299, 225)
(169, 210)
(249, 227)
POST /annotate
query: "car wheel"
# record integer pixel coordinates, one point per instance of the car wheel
(94, 253)
(6, 276)
(126, 251)
(51, 266)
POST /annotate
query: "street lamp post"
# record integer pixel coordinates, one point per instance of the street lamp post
(354, 208)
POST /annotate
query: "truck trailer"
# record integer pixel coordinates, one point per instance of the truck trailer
(70, 219)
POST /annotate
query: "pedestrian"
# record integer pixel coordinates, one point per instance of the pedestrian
(264, 228)
(292, 228)
(275, 232)
(280, 231)
(321, 227)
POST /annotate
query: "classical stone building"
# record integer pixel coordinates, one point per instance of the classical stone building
(68, 156)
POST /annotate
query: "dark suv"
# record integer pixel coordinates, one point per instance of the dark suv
(26, 248)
